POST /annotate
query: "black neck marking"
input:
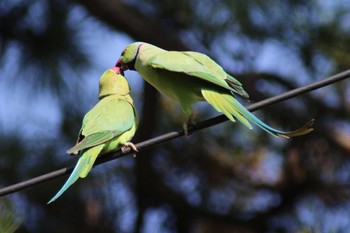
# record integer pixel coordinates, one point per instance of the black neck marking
(131, 64)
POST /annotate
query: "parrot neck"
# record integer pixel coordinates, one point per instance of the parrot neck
(114, 95)
(131, 64)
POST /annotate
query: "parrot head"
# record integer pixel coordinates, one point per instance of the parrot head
(113, 82)
(128, 57)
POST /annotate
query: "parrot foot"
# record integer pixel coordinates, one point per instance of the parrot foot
(131, 146)
(75, 153)
(187, 126)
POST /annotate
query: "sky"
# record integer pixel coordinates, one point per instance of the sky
(101, 43)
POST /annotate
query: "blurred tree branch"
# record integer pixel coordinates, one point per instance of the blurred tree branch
(133, 22)
(228, 29)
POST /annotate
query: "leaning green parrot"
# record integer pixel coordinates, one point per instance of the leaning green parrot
(108, 126)
(189, 77)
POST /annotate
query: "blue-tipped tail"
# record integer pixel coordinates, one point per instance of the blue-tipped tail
(71, 180)
(228, 105)
(83, 167)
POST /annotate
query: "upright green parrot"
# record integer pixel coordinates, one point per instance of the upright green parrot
(108, 126)
(189, 77)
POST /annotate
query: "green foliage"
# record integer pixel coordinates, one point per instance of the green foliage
(8, 221)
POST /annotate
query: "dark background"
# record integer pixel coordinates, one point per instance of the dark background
(223, 179)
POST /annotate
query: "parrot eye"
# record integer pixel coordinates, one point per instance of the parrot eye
(124, 51)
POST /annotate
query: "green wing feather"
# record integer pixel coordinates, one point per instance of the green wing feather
(94, 140)
(197, 65)
(101, 125)
(218, 71)
(228, 105)
(103, 116)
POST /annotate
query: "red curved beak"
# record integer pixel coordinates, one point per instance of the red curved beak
(117, 70)
(119, 63)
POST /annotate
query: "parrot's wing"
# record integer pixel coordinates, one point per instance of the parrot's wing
(94, 140)
(105, 122)
(197, 65)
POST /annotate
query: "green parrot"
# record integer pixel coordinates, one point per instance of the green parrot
(189, 77)
(108, 126)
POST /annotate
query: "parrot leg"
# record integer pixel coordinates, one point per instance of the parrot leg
(187, 109)
(131, 146)
(74, 153)
(187, 125)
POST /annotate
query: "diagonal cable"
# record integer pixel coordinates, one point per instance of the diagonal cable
(144, 145)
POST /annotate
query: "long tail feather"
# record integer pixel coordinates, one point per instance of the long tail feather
(82, 168)
(229, 106)
(90, 160)
(224, 106)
